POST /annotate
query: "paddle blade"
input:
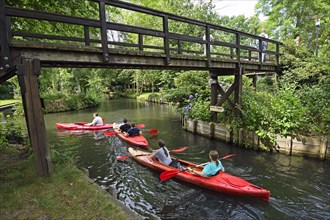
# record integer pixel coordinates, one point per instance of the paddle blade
(140, 125)
(109, 133)
(225, 157)
(122, 157)
(168, 174)
(179, 150)
(153, 131)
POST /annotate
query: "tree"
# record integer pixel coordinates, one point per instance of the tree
(288, 19)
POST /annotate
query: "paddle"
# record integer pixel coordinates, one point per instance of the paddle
(171, 173)
(110, 133)
(128, 156)
(81, 123)
(140, 125)
(153, 131)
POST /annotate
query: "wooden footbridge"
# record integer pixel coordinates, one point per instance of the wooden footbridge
(103, 43)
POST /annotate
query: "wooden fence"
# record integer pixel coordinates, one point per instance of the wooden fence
(318, 147)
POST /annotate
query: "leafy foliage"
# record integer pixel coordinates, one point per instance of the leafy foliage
(268, 114)
(60, 102)
(12, 131)
(288, 19)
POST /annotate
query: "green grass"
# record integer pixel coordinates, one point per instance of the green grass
(146, 96)
(67, 194)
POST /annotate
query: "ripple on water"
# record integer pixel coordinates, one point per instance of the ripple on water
(300, 187)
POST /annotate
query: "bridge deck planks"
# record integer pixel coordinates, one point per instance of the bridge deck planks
(60, 55)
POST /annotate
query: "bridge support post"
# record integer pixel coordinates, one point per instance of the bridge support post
(254, 82)
(214, 93)
(238, 90)
(28, 72)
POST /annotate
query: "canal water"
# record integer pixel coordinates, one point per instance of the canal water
(300, 187)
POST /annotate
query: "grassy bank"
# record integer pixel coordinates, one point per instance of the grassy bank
(8, 101)
(67, 194)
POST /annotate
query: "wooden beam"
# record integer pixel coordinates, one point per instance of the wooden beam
(5, 57)
(214, 93)
(28, 73)
(166, 41)
(238, 90)
(225, 95)
(104, 35)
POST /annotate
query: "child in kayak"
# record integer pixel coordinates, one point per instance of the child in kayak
(163, 155)
(124, 127)
(133, 131)
(96, 121)
(212, 168)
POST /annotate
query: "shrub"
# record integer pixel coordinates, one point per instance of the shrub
(269, 114)
(12, 131)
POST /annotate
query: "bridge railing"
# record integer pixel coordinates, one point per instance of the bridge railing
(197, 40)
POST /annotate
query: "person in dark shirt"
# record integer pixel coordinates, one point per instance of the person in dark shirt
(125, 127)
(133, 131)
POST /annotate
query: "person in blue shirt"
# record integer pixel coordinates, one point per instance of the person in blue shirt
(133, 131)
(212, 168)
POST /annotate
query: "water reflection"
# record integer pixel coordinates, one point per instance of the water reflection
(300, 187)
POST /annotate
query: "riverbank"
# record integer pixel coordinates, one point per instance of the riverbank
(67, 194)
(308, 146)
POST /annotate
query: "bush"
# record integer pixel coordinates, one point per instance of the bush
(153, 97)
(59, 103)
(12, 131)
(316, 99)
(268, 114)
(178, 95)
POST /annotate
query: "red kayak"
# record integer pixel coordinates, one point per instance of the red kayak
(81, 126)
(223, 182)
(138, 141)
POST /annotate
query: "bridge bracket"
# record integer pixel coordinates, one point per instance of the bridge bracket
(5, 58)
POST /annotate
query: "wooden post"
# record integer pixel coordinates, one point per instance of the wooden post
(212, 129)
(166, 40)
(238, 90)
(5, 55)
(208, 46)
(104, 34)
(238, 47)
(214, 93)
(140, 42)
(179, 47)
(323, 148)
(28, 73)
(86, 36)
(254, 82)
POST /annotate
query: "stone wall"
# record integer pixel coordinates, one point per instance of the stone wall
(301, 146)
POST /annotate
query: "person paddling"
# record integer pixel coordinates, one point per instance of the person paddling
(212, 168)
(133, 131)
(96, 121)
(124, 127)
(163, 155)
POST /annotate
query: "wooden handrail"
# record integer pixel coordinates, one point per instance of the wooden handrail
(235, 47)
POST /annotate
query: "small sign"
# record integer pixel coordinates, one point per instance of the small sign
(214, 108)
